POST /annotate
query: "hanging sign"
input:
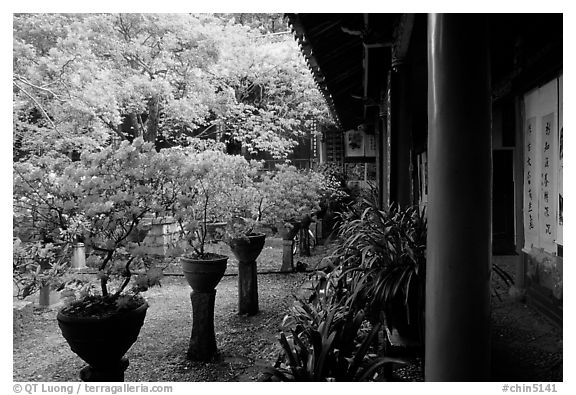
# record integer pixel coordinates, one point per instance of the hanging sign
(354, 143)
(547, 181)
(560, 149)
(358, 143)
(531, 185)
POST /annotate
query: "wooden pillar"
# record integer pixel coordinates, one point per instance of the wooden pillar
(44, 296)
(400, 177)
(247, 288)
(519, 288)
(304, 241)
(383, 151)
(202, 345)
(287, 255)
(459, 201)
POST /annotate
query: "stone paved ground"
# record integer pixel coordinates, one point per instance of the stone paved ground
(525, 345)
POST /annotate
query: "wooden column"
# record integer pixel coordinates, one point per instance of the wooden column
(383, 151)
(459, 206)
(519, 288)
(400, 176)
(247, 288)
(287, 256)
(202, 345)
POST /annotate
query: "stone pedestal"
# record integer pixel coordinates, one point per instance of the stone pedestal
(247, 288)
(110, 374)
(304, 241)
(79, 256)
(287, 256)
(203, 339)
(319, 233)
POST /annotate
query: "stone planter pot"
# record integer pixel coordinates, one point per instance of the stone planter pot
(102, 342)
(288, 233)
(203, 275)
(246, 250)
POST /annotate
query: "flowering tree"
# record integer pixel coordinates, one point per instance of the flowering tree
(103, 199)
(83, 80)
(222, 188)
(290, 194)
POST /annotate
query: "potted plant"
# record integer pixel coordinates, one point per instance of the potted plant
(212, 182)
(102, 198)
(246, 247)
(291, 198)
(243, 232)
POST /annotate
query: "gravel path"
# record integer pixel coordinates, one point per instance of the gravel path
(245, 343)
(526, 347)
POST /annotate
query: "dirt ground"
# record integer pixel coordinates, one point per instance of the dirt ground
(525, 346)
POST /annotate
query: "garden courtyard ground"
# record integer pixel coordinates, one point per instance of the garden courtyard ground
(525, 346)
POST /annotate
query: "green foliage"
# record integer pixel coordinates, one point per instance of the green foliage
(37, 264)
(82, 81)
(324, 340)
(216, 187)
(102, 200)
(290, 194)
(382, 259)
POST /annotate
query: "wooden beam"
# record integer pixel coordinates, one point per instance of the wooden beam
(402, 36)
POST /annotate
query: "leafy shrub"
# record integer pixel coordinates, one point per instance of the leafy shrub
(289, 194)
(324, 340)
(214, 187)
(102, 200)
(37, 264)
(381, 257)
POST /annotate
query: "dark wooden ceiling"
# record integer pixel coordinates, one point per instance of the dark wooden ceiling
(524, 48)
(334, 45)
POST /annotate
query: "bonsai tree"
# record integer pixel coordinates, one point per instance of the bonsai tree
(43, 204)
(102, 200)
(215, 188)
(120, 188)
(292, 196)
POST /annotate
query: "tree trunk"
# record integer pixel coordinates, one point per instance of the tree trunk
(151, 131)
(131, 126)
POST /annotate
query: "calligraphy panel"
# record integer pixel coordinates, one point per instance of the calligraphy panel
(531, 185)
(548, 183)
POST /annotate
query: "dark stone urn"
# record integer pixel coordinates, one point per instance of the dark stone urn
(246, 250)
(102, 342)
(203, 275)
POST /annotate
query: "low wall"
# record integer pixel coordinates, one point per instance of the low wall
(163, 233)
(544, 283)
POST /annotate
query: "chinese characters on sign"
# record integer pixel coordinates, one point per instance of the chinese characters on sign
(547, 193)
(531, 184)
(560, 149)
(370, 145)
(543, 163)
